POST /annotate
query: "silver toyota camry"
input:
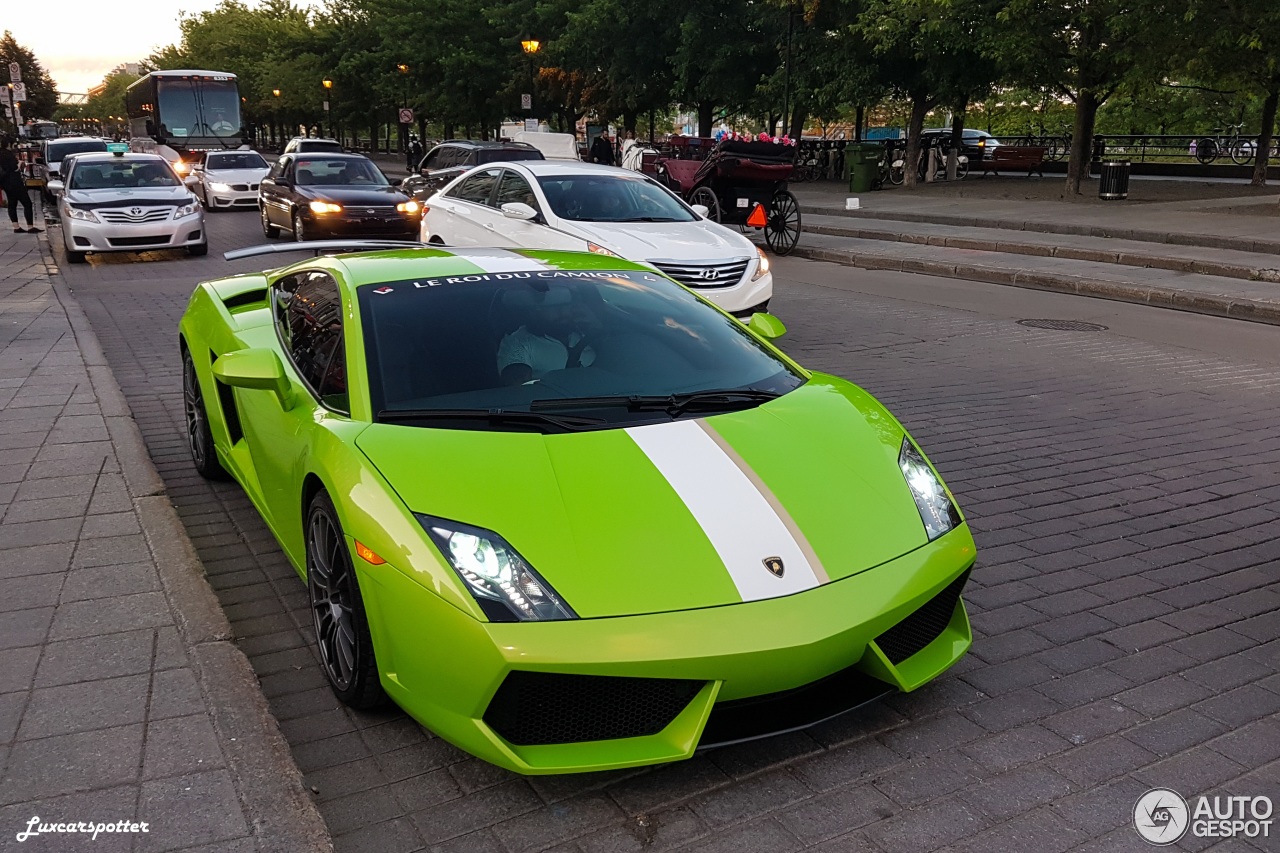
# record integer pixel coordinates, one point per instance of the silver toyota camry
(125, 202)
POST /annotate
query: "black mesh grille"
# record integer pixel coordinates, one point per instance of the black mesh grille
(923, 626)
(534, 708)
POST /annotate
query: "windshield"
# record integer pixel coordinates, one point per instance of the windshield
(179, 109)
(238, 160)
(123, 174)
(343, 171)
(506, 155)
(612, 198)
(80, 146)
(221, 107)
(516, 341)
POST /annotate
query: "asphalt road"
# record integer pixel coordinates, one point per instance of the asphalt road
(1122, 485)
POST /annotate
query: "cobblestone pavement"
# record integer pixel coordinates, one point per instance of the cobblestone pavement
(1124, 499)
(115, 671)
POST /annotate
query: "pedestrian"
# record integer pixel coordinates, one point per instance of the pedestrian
(602, 151)
(15, 189)
(415, 154)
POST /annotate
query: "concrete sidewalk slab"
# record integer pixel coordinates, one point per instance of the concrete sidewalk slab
(122, 696)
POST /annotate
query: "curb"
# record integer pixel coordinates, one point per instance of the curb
(1207, 241)
(282, 816)
(1189, 301)
(1073, 253)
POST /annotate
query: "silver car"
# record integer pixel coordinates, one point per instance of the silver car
(227, 180)
(124, 202)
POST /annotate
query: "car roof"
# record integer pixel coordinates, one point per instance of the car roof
(128, 156)
(566, 167)
(487, 144)
(328, 154)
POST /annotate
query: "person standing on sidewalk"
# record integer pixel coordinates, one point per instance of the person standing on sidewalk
(15, 188)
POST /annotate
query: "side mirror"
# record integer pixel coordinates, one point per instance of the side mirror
(257, 369)
(191, 180)
(54, 187)
(519, 210)
(701, 209)
(765, 325)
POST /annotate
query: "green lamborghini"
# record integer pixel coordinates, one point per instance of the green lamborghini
(566, 513)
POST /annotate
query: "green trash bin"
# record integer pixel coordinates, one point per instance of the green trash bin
(864, 165)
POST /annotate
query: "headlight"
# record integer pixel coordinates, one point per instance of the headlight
(219, 187)
(764, 264)
(325, 207)
(181, 167)
(186, 210)
(409, 207)
(506, 587)
(601, 250)
(937, 511)
(83, 215)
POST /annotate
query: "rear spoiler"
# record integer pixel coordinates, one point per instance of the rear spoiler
(320, 247)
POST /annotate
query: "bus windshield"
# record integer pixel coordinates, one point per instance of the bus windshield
(179, 102)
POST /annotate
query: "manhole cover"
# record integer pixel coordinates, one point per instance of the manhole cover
(1064, 325)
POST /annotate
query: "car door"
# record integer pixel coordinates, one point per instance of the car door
(463, 216)
(308, 319)
(271, 193)
(418, 185)
(514, 187)
(452, 163)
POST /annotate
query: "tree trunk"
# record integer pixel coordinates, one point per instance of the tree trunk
(957, 139)
(1263, 152)
(628, 122)
(1087, 103)
(920, 106)
(858, 121)
(799, 115)
(706, 111)
(449, 130)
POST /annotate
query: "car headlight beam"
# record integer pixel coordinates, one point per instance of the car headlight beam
(83, 215)
(763, 267)
(219, 187)
(502, 582)
(324, 207)
(187, 209)
(937, 510)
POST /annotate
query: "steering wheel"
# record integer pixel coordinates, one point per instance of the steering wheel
(223, 127)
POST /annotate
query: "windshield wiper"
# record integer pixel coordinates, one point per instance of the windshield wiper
(648, 219)
(672, 404)
(492, 416)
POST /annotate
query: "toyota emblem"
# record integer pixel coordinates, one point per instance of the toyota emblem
(135, 211)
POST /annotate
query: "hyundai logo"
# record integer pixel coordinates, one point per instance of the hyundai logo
(709, 274)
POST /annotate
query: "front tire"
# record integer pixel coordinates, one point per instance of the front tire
(337, 610)
(198, 251)
(199, 438)
(300, 228)
(269, 231)
(75, 257)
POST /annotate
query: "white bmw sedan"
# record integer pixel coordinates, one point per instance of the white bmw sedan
(578, 206)
(228, 180)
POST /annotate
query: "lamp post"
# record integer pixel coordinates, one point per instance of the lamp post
(275, 116)
(404, 102)
(328, 85)
(530, 48)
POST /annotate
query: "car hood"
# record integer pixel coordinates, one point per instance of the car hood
(355, 195)
(134, 195)
(676, 241)
(679, 515)
(237, 176)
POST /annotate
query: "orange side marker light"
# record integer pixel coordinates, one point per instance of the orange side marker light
(367, 554)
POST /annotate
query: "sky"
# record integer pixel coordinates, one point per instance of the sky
(79, 41)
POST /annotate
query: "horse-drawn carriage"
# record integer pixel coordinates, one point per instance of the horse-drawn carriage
(740, 183)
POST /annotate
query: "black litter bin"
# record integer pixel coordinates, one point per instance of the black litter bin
(1113, 183)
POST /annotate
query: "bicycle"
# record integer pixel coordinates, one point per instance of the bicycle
(1240, 149)
(897, 172)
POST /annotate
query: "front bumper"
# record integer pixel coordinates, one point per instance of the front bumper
(447, 670)
(740, 298)
(81, 236)
(350, 225)
(231, 199)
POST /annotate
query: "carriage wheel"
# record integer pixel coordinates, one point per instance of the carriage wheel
(783, 231)
(707, 197)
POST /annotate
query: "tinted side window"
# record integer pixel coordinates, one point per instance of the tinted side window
(451, 156)
(432, 160)
(308, 311)
(476, 187)
(277, 168)
(514, 188)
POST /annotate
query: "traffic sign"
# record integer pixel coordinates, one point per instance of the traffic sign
(526, 102)
(531, 124)
(406, 115)
(19, 92)
(15, 72)
(4, 96)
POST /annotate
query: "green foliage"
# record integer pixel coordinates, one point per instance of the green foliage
(42, 99)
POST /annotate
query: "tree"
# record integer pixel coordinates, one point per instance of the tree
(1085, 50)
(42, 97)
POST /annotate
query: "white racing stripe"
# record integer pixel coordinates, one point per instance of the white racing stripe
(499, 260)
(740, 522)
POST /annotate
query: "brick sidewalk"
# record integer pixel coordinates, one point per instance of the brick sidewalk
(121, 695)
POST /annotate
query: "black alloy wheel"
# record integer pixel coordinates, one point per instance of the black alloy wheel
(299, 227)
(199, 437)
(342, 630)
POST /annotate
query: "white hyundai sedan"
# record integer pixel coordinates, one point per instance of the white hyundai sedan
(228, 180)
(577, 206)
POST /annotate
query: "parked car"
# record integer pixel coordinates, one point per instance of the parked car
(606, 210)
(121, 202)
(226, 180)
(453, 157)
(55, 150)
(309, 144)
(975, 142)
(314, 195)
(673, 538)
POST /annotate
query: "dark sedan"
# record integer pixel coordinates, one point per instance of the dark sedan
(323, 195)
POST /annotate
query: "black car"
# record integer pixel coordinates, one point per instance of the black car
(452, 157)
(323, 194)
(310, 145)
(974, 143)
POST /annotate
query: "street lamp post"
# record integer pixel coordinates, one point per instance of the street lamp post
(404, 103)
(530, 48)
(275, 117)
(328, 85)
